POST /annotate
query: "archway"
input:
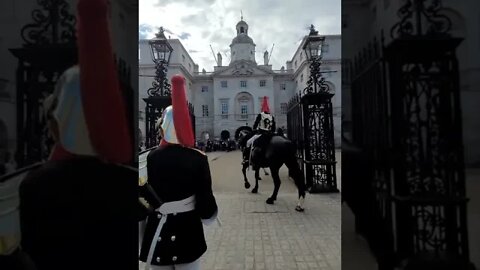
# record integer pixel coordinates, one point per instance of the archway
(205, 136)
(225, 135)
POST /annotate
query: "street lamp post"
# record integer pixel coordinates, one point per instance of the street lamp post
(159, 94)
(320, 164)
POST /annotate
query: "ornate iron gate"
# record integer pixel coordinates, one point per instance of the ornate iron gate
(49, 49)
(407, 121)
(153, 110)
(310, 127)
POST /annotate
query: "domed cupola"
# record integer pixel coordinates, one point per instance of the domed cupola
(242, 47)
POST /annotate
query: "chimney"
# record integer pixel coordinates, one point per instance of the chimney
(195, 68)
(219, 57)
(265, 58)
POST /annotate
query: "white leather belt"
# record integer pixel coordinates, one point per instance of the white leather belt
(182, 206)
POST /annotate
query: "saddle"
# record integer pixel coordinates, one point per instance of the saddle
(257, 153)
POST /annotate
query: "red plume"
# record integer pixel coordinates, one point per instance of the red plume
(103, 104)
(181, 114)
(265, 107)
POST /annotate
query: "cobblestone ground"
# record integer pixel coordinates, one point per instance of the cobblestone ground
(254, 235)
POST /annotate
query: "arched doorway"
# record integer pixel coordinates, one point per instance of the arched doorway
(237, 132)
(225, 135)
(205, 136)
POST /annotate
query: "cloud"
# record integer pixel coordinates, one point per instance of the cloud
(184, 35)
(201, 23)
(145, 31)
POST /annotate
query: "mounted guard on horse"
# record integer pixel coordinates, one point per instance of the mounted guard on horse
(264, 127)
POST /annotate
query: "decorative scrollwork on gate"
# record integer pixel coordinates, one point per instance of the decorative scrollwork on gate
(421, 17)
(53, 24)
(316, 82)
(160, 84)
(425, 141)
(430, 228)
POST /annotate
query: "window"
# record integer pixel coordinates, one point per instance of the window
(243, 83)
(244, 111)
(224, 84)
(283, 108)
(295, 63)
(205, 110)
(183, 58)
(224, 109)
(301, 78)
(204, 88)
(241, 30)
(283, 86)
(263, 83)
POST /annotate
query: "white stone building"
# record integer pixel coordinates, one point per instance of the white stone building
(230, 96)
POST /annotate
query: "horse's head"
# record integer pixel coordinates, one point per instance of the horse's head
(243, 137)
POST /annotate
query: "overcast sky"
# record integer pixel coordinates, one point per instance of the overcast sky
(201, 23)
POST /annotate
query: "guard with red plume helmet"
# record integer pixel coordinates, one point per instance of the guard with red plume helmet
(179, 176)
(264, 126)
(182, 131)
(82, 201)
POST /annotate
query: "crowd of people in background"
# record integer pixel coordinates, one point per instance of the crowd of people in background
(217, 144)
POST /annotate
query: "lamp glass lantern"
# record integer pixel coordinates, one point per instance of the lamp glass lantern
(161, 48)
(313, 46)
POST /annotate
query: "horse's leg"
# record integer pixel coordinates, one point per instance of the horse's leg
(244, 170)
(297, 175)
(257, 177)
(276, 183)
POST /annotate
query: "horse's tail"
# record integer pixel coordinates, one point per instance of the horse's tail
(294, 170)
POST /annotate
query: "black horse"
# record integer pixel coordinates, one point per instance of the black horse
(278, 151)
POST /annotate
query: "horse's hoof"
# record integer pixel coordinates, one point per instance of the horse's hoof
(270, 201)
(259, 178)
(247, 185)
(299, 209)
(255, 190)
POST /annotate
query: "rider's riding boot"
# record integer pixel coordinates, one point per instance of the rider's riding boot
(256, 156)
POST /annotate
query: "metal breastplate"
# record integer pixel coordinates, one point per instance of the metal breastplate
(266, 122)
